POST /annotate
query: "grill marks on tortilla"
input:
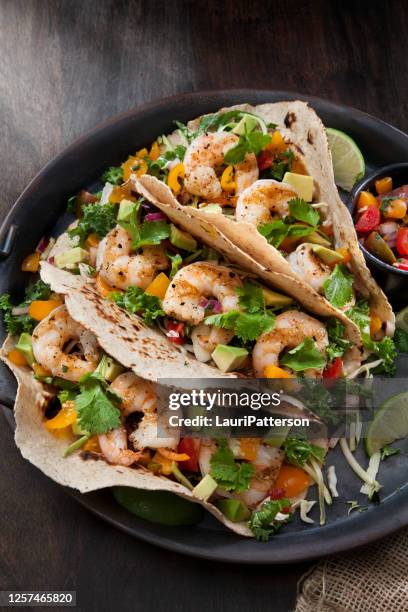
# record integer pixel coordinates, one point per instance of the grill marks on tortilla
(290, 119)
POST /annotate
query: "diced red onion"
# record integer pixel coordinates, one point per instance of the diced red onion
(172, 333)
(51, 260)
(217, 308)
(215, 305)
(42, 245)
(389, 229)
(392, 243)
(17, 311)
(156, 216)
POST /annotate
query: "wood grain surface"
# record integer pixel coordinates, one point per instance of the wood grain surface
(67, 65)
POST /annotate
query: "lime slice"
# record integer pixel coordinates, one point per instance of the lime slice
(401, 320)
(348, 161)
(390, 423)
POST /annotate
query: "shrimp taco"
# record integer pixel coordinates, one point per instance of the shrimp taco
(265, 175)
(89, 423)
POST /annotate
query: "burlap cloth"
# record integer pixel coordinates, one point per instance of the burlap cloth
(372, 580)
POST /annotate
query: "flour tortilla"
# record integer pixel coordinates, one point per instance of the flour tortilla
(302, 128)
(45, 451)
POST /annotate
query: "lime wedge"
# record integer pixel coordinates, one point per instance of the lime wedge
(401, 320)
(390, 423)
(348, 161)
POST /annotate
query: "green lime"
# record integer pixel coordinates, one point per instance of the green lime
(159, 506)
(401, 320)
(390, 423)
(348, 161)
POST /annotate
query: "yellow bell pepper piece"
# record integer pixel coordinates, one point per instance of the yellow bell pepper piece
(272, 371)
(277, 143)
(345, 253)
(142, 153)
(365, 199)
(119, 193)
(92, 241)
(249, 448)
(16, 357)
(169, 454)
(165, 464)
(102, 286)
(39, 309)
(40, 371)
(396, 209)
(175, 174)
(134, 165)
(227, 180)
(158, 286)
(154, 152)
(66, 416)
(375, 324)
(31, 263)
(92, 445)
(383, 185)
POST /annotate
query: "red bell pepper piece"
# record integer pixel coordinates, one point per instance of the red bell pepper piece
(265, 160)
(191, 447)
(402, 241)
(178, 328)
(368, 220)
(334, 370)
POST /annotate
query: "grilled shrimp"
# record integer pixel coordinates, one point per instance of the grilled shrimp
(204, 154)
(53, 335)
(291, 328)
(137, 395)
(267, 464)
(262, 200)
(185, 301)
(309, 266)
(121, 268)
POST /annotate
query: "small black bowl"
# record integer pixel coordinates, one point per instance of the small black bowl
(393, 281)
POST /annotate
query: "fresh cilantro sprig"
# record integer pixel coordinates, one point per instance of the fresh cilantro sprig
(96, 404)
(176, 261)
(250, 142)
(113, 175)
(276, 231)
(301, 210)
(338, 344)
(230, 475)
(18, 324)
(298, 451)
(389, 451)
(152, 233)
(97, 219)
(135, 301)
(401, 340)
(282, 163)
(262, 522)
(338, 287)
(304, 356)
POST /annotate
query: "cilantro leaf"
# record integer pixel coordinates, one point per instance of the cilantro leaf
(262, 523)
(298, 451)
(18, 324)
(251, 297)
(97, 414)
(281, 165)
(152, 232)
(252, 142)
(230, 474)
(185, 131)
(385, 349)
(388, 451)
(337, 343)
(302, 211)
(113, 175)
(401, 340)
(304, 356)
(276, 231)
(135, 301)
(176, 261)
(97, 219)
(246, 326)
(338, 288)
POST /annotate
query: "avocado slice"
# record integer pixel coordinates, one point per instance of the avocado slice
(272, 298)
(25, 346)
(126, 210)
(112, 370)
(71, 257)
(229, 358)
(328, 256)
(317, 238)
(234, 510)
(182, 240)
(76, 429)
(205, 488)
(302, 183)
(246, 124)
(280, 434)
(212, 209)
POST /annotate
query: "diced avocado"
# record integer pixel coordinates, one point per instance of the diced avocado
(229, 358)
(182, 240)
(205, 488)
(275, 299)
(25, 346)
(234, 510)
(113, 369)
(247, 124)
(126, 209)
(328, 256)
(70, 257)
(212, 209)
(302, 183)
(279, 436)
(317, 238)
(76, 429)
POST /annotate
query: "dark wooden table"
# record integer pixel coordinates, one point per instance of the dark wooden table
(67, 65)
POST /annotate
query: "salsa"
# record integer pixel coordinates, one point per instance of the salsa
(381, 222)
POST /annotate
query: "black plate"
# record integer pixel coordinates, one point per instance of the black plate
(36, 213)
